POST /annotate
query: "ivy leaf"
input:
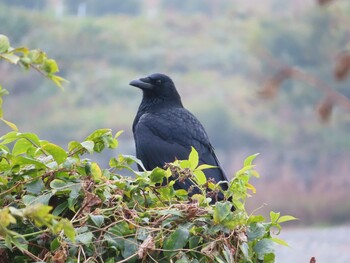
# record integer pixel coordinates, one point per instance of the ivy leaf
(221, 211)
(35, 187)
(176, 240)
(97, 219)
(130, 248)
(84, 238)
(264, 247)
(255, 231)
(44, 199)
(58, 184)
(245, 250)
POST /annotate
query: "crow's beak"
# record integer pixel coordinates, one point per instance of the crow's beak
(143, 83)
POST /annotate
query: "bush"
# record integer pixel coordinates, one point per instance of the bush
(58, 206)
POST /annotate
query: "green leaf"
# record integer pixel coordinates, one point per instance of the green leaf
(21, 160)
(68, 229)
(97, 219)
(33, 200)
(6, 219)
(60, 208)
(194, 241)
(118, 134)
(10, 58)
(245, 250)
(176, 240)
(263, 247)
(221, 211)
(4, 43)
(36, 56)
(50, 66)
(21, 146)
(58, 154)
(98, 134)
(55, 244)
(249, 160)
(32, 137)
(88, 145)
(157, 175)
(35, 187)
(279, 241)
(39, 213)
(130, 248)
(58, 184)
(205, 166)
(84, 238)
(286, 218)
(10, 124)
(3, 92)
(256, 219)
(200, 176)
(58, 81)
(269, 258)
(274, 216)
(193, 158)
(256, 231)
(96, 171)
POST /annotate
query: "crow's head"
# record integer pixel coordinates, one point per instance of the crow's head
(157, 86)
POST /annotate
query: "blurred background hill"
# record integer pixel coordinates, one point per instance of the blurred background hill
(219, 54)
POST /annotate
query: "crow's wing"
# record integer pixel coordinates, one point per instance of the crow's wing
(168, 134)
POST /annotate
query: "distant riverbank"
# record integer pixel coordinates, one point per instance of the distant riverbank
(328, 244)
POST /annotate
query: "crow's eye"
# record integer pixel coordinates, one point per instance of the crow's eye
(159, 81)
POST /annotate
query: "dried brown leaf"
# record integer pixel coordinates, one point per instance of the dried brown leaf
(324, 109)
(210, 250)
(60, 256)
(146, 246)
(272, 85)
(242, 236)
(90, 200)
(342, 66)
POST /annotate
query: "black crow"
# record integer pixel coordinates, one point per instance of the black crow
(165, 131)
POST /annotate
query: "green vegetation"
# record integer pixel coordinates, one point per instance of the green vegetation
(56, 205)
(219, 56)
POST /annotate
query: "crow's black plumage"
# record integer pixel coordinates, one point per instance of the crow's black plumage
(164, 130)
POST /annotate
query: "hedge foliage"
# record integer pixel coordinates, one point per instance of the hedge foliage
(58, 206)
